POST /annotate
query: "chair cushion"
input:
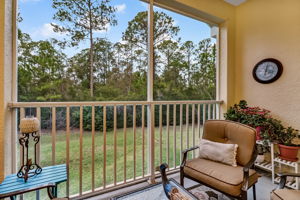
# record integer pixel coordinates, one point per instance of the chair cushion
(285, 194)
(220, 152)
(222, 177)
(232, 133)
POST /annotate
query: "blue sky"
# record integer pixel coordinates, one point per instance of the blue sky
(37, 16)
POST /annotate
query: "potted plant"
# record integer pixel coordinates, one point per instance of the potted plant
(288, 143)
(268, 129)
(252, 116)
(271, 128)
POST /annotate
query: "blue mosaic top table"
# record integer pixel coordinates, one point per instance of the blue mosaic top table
(49, 178)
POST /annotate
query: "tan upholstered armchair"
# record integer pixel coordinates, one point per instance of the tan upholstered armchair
(285, 194)
(232, 181)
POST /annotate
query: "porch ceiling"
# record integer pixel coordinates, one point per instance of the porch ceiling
(235, 2)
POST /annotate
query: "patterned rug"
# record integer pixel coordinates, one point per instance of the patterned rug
(206, 193)
(156, 192)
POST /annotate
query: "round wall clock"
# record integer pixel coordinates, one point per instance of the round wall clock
(267, 70)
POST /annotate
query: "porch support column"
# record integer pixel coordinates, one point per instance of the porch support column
(226, 72)
(150, 80)
(2, 19)
(8, 86)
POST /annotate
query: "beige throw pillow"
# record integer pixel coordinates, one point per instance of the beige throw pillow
(220, 152)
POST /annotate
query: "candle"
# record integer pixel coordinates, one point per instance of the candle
(29, 125)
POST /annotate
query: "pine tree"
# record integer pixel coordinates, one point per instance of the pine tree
(81, 20)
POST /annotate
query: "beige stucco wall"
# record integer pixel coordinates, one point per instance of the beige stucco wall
(255, 30)
(269, 29)
(1, 90)
(7, 83)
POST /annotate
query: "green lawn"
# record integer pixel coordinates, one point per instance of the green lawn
(46, 155)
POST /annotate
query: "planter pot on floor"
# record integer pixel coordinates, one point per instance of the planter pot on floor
(288, 152)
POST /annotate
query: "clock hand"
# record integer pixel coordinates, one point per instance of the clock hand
(266, 70)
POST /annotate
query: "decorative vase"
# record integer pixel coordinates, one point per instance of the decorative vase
(288, 152)
(260, 158)
(258, 130)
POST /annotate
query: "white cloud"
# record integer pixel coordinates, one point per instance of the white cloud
(121, 8)
(121, 41)
(106, 30)
(26, 1)
(46, 31)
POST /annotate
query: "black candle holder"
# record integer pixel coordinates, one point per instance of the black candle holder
(29, 169)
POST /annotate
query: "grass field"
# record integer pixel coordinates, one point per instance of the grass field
(60, 155)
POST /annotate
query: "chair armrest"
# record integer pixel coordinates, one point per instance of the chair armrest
(283, 177)
(246, 170)
(190, 149)
(184, 154)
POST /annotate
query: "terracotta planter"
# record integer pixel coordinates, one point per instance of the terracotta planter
(258, 129)
(288, 152)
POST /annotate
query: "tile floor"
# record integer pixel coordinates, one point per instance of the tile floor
(263, 188)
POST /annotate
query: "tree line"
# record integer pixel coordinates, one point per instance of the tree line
(106, 70)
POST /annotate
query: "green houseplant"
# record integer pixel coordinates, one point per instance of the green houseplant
(255, 117)
(289, 144)
(268, 128)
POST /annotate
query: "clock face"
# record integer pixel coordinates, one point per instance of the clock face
(267, 70)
